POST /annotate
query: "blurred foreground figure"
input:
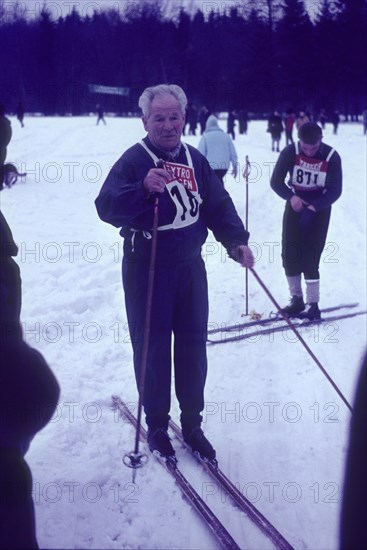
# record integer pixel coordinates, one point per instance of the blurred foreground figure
(354, 507)
(5, 137)
(28, 397)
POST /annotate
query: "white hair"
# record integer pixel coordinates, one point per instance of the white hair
(146, 98)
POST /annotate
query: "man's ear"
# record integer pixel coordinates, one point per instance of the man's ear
(144, 120)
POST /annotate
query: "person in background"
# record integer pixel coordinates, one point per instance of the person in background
(242, 122)
(218, 148)
(315, 183)
(191, 200)
(100, 114)
(20, 113)
(29, 394)
(335, 120)
(192, 119)
(323, 118)
(302, 118)
(288, 126)
(364, 118)
(204, 114)
(231, 123)
(275, 128)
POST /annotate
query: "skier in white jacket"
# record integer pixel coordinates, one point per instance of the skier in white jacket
(218, 149)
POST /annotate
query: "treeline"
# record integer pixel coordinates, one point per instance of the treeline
(256, 55)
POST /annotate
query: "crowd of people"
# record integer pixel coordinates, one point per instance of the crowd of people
(278, 123)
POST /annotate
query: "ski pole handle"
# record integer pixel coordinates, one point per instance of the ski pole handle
(247, 169)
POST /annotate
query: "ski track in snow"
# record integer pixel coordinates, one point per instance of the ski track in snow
(279, 428)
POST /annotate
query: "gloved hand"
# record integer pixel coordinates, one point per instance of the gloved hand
(298, 204)
(243, 255)
(235, 171)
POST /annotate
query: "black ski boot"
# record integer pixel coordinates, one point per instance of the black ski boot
(199, 443)
(312, 312)
(296, 305)
(158, 440)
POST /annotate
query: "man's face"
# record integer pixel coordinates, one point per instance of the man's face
(165, 122)
(308, 149)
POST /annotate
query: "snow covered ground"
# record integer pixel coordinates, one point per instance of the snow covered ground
(279, 428)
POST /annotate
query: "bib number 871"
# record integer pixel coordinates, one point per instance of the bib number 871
(305, 177)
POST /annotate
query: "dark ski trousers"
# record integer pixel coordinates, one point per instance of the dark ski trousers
(179, 307)
(353, 525)
(302, 253)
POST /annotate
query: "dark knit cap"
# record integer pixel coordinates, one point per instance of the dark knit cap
(310, 133)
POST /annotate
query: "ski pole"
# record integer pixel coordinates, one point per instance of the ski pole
(300, 338)
(135, 459)
(246, 173)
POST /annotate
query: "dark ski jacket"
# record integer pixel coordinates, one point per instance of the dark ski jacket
(353, 525)
(5, 132)
(28, 391)
(124, 202)
(275, 126)
(320, 198)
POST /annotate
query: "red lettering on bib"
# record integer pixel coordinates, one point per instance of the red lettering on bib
(183, 174)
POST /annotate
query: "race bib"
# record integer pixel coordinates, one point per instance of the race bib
(309, 174)
(183, 190)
